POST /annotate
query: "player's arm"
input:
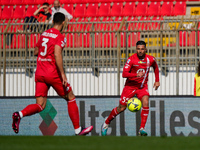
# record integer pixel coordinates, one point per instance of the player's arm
(36, 50)
(126, 70)
(59, 63)
(156, 72)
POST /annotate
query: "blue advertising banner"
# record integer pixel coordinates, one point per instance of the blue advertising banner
(168, 116)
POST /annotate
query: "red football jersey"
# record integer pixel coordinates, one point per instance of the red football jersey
(134, 65)
(46, 63)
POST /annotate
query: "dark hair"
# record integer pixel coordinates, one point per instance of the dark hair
(198, 69)
(58, 18)
(141, 43)
(45, 4)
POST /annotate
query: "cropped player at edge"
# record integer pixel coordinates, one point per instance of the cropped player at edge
(50, 72)
(136, 70)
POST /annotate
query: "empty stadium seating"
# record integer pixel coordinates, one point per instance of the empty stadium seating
(69, 8)
(5, 2)
(18, 2)
(167, 9)
(129, 9)
(29, 2)
(180, 8)
(104, 10)
(117, 9)
(19, 12)
(92, 10)
(109, 9)
(80, 10)
(141, 9)
(154, 9)
(7, 12)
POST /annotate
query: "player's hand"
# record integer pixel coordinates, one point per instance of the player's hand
(140, 74)
(64, 79)
(156, 85)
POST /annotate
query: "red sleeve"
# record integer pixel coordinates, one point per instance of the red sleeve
(61, 42)
(194, 86)
(126, 70)
(156, 70)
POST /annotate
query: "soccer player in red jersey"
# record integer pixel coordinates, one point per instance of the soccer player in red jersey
(50, 72)
(136, 70)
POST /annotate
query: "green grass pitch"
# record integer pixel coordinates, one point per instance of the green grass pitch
(98, 143)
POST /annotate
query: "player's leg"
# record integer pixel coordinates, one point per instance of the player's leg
(144, 97)
(41, 98)
(127, 93)
(73, 111)
(144, 115)
(116, 111)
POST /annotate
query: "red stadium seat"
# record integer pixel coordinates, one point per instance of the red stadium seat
(141, 9)
(192, 39)
(183, 37)
(167, 9)
(154, 9)
(51, 1)
(92, 10)
(143, 25)
(5, 2)
(155, 25)
(169, 0)
(133, 37)
(104, 10)
(80, 10)
(19, 12)
(103, 39)
(78, 40)
(29, 2)
(116, 9)
(3, 26)
(66, 1)
(32, 40)
(114, 36)
(30, 10)
(78, 1)
(7, 12)
(19, 25)
(69, 8)
(180, 8)
(37, 2)
(129, 9)
(118, 1)
(18, 41)
(80, 27)
(18, 2)
(91, 1)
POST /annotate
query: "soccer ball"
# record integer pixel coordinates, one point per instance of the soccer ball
(134, 104)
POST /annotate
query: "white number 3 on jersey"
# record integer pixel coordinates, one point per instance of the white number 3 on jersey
(44, 43)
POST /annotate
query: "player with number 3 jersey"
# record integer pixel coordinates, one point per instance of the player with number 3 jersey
(50, 72)
(136, 70)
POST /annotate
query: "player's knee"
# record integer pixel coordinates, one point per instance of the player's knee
(121, 108)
